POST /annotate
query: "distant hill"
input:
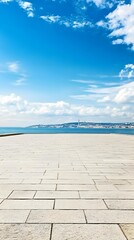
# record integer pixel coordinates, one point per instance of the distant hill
(85, 125)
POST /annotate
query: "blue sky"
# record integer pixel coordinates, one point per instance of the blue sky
(64, 60)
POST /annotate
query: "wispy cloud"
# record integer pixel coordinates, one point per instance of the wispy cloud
(27, 6)
(123, 94)
(16, 69)
(5, 1)
(21, 81)
(51, 19)
(13, 67)
(114, 92)
(68, 22)
(83, 81)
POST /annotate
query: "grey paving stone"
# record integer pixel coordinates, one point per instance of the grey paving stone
(22, 194)
(106, 195)
(4, 193)
(25, 231)
(106, 187)
(87, 232)
(31, 180)
(56, 216)
(27, 204)
(68, 163)
(127, 187)
(13, 216)
(68, 181)
(109, 216)
(56, 194)
(128, 230)
(120, 204)
(30, 187)
(77, 187)
(79, 204)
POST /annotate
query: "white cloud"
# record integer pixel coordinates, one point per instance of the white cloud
(13, 67)
(9, 99)
(125, 94)
(51, 18)
(5, 1)
(13, 104)
(105, 99)
(66, 21)
(120, 23)
(19, 82)
(15, 108)
(83, 81)
(103, 3)
(127, 72)
(122, 94)
(98, 3)
(28, 7)
(119, 92)
(77, 24)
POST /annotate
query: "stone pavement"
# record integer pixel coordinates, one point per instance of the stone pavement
(67, 187)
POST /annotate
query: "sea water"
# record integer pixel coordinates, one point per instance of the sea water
(28, 130)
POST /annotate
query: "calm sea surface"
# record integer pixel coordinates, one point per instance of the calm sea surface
(65, 130)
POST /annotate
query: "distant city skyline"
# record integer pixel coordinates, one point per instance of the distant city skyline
(63, 60)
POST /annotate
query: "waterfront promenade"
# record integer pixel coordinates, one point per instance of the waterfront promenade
(67, 187)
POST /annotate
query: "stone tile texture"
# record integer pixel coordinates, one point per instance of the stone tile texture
(67, 186)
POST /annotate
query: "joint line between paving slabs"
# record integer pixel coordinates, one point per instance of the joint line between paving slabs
(123, 232)
(79, 194)
(105, 203)
(54, 204)
(85, 216)
(51, 232)
(28, 216)
(9, 194)
(35, 194)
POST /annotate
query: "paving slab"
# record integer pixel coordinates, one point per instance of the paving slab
(22, 194)
(106, 187)
(31, 187)
(4, 193)
(82, 182)
(77, 187)
(25, 231)
(109, 216)
(56, 194)
(87, 232)
(79, 204)
(120, 204)
(13, 216)
(56, 216)
(106, 195)
(128, 230)
(27, 204)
